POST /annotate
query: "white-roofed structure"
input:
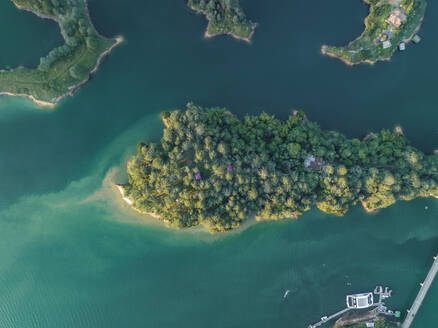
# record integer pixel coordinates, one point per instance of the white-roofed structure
(360, 301)
(386, 44)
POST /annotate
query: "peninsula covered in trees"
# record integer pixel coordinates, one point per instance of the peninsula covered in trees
(390, 23)
(65, 68)
(213, 169)
(224, 17)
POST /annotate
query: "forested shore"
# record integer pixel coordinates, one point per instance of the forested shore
(224, 17)
(213, 169)
(65, 68)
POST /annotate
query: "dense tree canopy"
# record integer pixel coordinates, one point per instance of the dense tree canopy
(224, 16)
(213, 169)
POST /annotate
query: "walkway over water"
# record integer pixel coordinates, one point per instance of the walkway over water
(422, 294)
(329, 318)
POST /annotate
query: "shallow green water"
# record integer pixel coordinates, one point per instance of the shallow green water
(73, 256)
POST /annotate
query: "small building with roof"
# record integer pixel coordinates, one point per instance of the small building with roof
(360, 301)
(396, 18)
(387, 44)
(314, 163)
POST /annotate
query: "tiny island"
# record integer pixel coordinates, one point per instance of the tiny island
(212, 169)
(391, 24)
(224, 17)
(66, 68)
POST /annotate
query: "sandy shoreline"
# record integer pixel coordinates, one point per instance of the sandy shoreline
(248, 39)
(399, 130)
(122, 192)
(76, 87)
(23, 95)
(366, 208)
(166, 124)
(131, 203)
(72, 89)
(346, 61)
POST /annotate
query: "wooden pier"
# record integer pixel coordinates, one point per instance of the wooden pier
(425, 286)
(327, 319)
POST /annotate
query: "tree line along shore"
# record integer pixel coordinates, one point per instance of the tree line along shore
(212, 169)
(65, 68)
(224, 17)
(68, 67)
(389, 24)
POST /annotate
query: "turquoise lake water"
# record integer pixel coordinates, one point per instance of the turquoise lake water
(72, 255)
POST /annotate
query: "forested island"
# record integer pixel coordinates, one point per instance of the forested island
(65, 68)
(212, 169)
(389, 24)
(224, 17)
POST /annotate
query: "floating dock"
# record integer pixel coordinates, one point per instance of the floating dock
(380, 305)
(416, 39)
(386, 293)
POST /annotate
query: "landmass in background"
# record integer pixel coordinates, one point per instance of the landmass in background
(66, 68)
(390, 24)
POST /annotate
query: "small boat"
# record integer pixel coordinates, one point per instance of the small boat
(378, 290)
(286, 293)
